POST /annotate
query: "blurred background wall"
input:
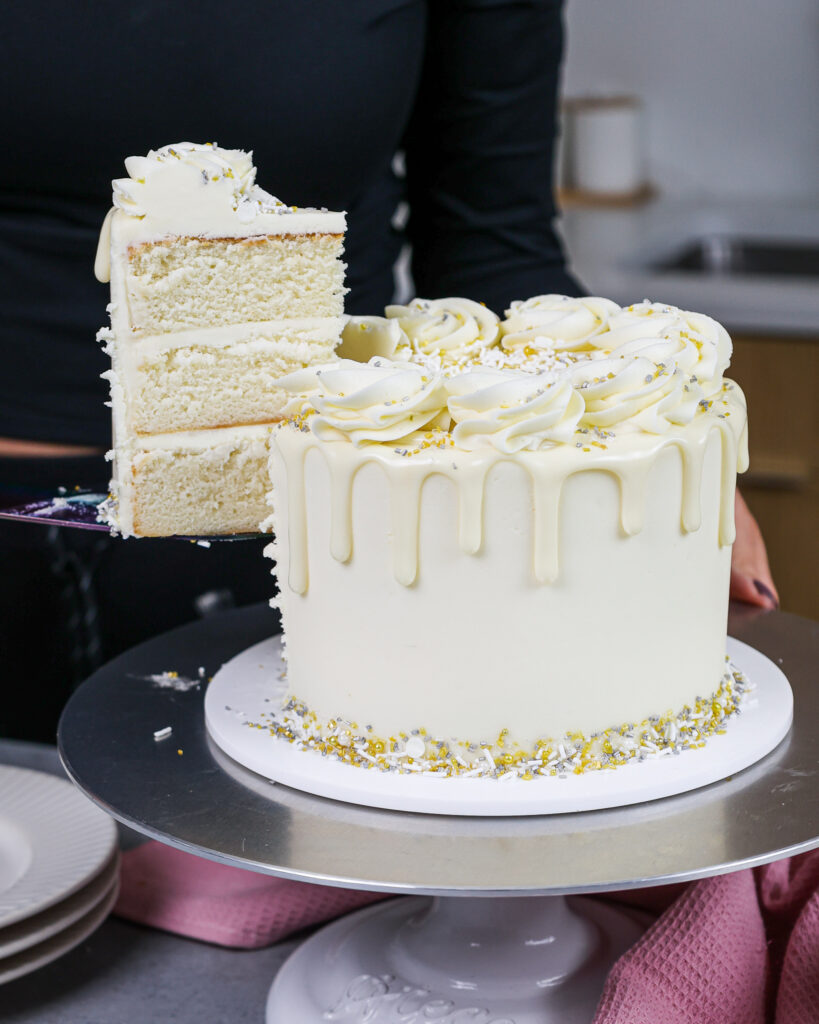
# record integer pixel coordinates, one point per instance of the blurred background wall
(730, 88)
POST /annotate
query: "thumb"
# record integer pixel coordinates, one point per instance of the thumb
(746, 588)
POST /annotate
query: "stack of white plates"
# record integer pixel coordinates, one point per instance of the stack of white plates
(59, 867)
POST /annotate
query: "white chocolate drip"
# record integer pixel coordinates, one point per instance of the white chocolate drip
(628, 458)
(405, 510)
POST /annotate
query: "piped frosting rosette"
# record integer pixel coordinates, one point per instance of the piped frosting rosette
(182, 168)
(635, 391)
(448, 328)
(511, 412)
(557, 322)
(367, 402)
(698, 345)
(649, 368)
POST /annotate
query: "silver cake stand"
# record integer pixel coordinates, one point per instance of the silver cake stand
(465, 960)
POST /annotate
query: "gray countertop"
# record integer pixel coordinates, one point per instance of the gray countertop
(612, 252)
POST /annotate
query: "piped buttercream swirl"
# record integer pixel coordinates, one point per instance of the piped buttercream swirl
(698, 345)
(511, 412)
(451, 328)
(634, 390)
(645, 368)
(558, 322)
(367, 402)
(195, 174)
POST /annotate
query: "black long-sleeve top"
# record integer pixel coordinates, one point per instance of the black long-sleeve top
(324, 92)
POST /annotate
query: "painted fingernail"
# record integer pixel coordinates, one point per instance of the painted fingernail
(766, 592)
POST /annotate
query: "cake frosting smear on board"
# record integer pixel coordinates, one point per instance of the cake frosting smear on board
(217, 290)
(503, 546)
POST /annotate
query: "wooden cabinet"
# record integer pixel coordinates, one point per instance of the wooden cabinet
(780, 378)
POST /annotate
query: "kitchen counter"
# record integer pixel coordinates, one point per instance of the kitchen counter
(614, 252)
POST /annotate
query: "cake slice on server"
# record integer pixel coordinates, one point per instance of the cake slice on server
(218, 289)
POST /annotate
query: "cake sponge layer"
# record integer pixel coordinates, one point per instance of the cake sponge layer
(216, 490)
(199, 386)
(177, 284)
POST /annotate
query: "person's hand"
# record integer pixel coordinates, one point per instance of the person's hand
(751, 579)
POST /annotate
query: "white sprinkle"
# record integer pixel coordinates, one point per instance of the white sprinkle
(170, 681)
(489, 758)
(415, 747)
(162, 734)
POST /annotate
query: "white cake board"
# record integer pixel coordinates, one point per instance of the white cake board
(250, 685)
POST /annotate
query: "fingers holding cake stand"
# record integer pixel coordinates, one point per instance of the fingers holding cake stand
(459, 957)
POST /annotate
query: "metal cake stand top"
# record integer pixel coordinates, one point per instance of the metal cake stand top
(183, 791)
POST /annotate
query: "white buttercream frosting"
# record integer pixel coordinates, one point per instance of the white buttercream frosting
(559, 322)
(635, 390)
(511, 412)
(580, 364)
(524, 484)
(367, 402)
(364, 337)
(190, 173)
(449, 327)
(698, 345)
(197, 190)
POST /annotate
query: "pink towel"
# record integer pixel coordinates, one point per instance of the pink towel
(736, 949)
(180, 893)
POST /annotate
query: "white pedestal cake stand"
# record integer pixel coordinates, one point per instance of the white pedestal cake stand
(459, 957)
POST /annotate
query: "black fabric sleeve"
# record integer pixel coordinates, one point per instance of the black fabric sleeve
(479, 153)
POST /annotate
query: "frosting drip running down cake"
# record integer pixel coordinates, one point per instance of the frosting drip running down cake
(217, 290)
(503, 547)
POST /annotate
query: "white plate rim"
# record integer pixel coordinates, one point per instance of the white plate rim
(33, 930)
(71, 840)
(242, 686)
(63, 942)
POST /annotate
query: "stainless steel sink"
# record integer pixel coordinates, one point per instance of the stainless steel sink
(739, 257)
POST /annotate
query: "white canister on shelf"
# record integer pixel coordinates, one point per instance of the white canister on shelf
(607, 145)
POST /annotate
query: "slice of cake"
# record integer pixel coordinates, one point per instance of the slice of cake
(516, 539)
(217, 291)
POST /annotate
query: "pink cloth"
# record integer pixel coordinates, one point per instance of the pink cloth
(736, 949)
(177, 892)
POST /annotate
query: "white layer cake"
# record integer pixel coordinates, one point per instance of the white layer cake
(217, 291)
(506, 546)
